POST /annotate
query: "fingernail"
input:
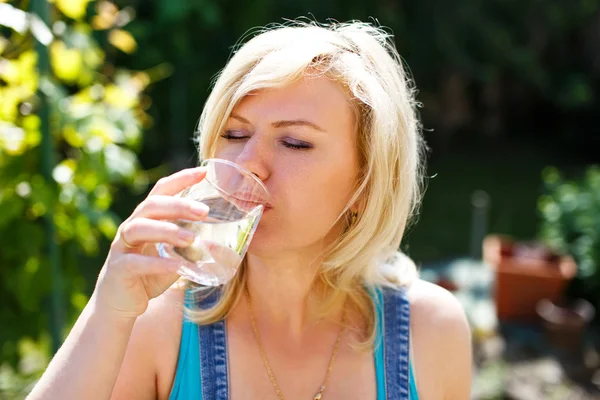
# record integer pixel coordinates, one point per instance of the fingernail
(186, 236)
(199, 171)
(200, 208)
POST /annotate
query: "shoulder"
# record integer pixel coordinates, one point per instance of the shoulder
(161, 324)
(441, 340)
(167, 309)
(165, 319)
(153, 349)
(433, 306)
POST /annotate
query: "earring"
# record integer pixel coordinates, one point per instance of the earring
(353, 218)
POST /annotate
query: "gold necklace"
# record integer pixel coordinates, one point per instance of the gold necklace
(319, 394)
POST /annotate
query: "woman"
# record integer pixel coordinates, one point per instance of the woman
(323, 306)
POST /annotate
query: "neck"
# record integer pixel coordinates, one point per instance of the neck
(280, 290)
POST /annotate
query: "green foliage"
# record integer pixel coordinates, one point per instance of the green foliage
(570, 212)
(480, 66)
(96, 116)
(477, 64)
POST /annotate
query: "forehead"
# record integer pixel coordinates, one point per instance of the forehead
(316, 99)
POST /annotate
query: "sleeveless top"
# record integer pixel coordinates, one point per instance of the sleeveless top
(202, 370)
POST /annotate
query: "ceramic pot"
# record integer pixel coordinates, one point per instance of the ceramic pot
(565, 323)
(525, 273)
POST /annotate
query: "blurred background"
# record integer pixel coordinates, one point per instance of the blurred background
(99, 99)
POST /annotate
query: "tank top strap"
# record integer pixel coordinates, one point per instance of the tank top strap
(396, 342)
(213, 353)
(392, 357)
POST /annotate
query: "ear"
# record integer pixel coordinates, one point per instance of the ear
(357, 205)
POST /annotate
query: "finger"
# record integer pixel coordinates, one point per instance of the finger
(139, 231)
(137, 265)
(171, 208)
(175, 183)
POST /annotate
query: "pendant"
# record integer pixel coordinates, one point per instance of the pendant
(320, 393)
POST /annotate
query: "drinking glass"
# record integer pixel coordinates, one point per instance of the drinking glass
(236, 199)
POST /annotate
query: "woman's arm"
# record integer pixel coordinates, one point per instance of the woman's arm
(90, 360)
(149, 365)
(134, 363)
(88, 363)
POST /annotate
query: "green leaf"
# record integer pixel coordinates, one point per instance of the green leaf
(11, 208)
(172, 10)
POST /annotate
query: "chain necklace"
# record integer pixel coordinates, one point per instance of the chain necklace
(319, 394)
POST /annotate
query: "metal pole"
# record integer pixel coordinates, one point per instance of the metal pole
(480, 201)
(180, 156)
(40, 7)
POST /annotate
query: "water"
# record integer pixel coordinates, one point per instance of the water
(220, 244)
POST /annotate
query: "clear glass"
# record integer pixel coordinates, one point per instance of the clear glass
(236, 199)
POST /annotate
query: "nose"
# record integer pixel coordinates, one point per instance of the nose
(254, 157)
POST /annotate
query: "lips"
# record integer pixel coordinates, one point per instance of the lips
(247, 200)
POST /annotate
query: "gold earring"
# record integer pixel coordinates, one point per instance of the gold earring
(353, 218)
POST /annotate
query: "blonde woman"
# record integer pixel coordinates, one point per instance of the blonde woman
(323, 307)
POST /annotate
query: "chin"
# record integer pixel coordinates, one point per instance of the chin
(260, 242)
(268, 236)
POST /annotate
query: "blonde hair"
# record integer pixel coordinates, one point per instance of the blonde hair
(364, 61)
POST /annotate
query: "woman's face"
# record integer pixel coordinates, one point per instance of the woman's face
(300, 140)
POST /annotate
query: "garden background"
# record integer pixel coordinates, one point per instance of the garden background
(98, 99)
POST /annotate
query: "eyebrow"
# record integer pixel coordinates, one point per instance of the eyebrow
(283, 123)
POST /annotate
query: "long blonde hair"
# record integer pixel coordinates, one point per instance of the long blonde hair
(364, 61)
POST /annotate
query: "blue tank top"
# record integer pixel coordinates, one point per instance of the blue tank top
(202, 365)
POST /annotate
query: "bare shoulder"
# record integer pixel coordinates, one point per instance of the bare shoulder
(164, 315)
(153, 349)
(164, 319)
(441, 342)
(433, 307)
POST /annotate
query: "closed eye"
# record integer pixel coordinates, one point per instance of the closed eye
(290, 143)
(234, 135)
(296, 144)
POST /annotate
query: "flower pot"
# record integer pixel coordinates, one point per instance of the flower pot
(525, 274)
(564, 323)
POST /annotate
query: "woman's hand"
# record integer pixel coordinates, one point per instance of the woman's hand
(133, 272)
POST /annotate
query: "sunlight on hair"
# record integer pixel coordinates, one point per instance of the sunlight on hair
(363, 60)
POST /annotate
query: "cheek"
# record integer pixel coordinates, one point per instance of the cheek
(320, 193)
(227, 151)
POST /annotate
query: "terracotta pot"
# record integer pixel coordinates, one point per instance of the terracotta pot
(525, 274)
(564, 323)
